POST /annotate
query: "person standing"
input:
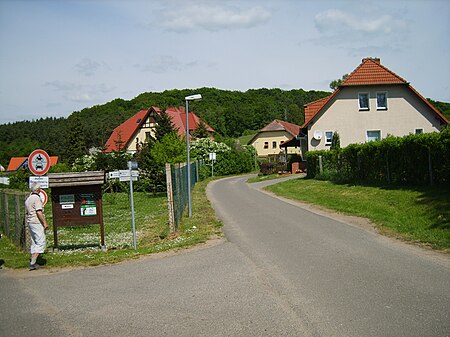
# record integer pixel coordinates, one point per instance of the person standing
(36, 223)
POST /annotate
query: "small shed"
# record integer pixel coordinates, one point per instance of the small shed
(77, 200)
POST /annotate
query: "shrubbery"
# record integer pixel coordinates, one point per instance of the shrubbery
(405, 160)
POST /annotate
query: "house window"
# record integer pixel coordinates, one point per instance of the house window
(148, 135)
(381, 101)
(328, 137)
(373, 135)
(266, 145)
(418, 131)
(363, 101)
(274, 145)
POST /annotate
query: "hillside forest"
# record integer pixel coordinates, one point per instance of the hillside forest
(230, 113)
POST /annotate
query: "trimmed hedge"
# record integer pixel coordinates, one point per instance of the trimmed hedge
(409, 160)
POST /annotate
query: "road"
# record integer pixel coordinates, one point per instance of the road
(281, 271)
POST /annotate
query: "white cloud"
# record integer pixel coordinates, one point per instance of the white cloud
(214, 18)
(81, 93)
(166, 63)
(333, 22)
(88, 67)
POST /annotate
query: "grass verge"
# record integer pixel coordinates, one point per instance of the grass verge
(80, 245)
(419, 214)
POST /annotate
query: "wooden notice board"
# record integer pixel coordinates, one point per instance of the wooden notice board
(77, 200)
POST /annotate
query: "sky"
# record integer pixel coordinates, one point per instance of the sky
(57, 57)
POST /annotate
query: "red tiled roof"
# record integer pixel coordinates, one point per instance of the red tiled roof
(277, 125)
(16, 162)
(126, 131)
(370, 71)
(312, 108)
(122, 134)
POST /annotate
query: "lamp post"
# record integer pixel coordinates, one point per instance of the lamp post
(189, 98)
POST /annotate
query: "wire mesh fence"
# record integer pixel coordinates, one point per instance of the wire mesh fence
(12, 217)
(177, 190)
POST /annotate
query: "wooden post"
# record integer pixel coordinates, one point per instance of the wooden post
(6, 223)
(170, 198)
(320, 165)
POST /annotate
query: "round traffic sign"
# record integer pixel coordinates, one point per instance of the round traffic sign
(43, 196)
(39, 162)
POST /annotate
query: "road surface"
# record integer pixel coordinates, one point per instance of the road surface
(280, 271)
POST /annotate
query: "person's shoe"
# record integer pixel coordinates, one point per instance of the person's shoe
(34, 266)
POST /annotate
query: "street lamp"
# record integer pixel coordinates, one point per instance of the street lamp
(189, 98)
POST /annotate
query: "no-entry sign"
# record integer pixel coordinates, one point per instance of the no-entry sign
(39, 162)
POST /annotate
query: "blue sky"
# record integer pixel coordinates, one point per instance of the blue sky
(57, 57)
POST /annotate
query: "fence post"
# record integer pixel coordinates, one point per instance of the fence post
(17, 219)
(320, 165)
(170, 198)
(6, 217)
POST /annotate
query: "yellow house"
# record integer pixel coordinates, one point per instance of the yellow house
(268, 140)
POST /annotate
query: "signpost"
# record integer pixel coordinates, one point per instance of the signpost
(212, 157)
(39, 162)
(41, 180)
(130, 176)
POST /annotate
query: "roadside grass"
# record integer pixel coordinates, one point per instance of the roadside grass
(80, 245)
(417, 214)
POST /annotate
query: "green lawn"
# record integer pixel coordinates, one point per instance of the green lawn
(415, 214)
(80, 245)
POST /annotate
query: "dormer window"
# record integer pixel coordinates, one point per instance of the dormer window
(381, 101)
(363, 101)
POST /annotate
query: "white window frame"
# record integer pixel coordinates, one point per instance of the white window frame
(373, 130)
(382, 107)
(274, 144)
(266, 145)
(328, 142)
(417, 129)
(368, 101)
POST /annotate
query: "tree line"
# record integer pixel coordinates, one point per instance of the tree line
(230, 113)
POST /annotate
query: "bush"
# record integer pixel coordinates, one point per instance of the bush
(398, 160)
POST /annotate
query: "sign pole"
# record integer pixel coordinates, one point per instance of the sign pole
(132, 207)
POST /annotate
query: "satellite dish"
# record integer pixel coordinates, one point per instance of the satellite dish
(318, 134)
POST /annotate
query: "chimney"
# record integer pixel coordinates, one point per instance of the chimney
(375, 59)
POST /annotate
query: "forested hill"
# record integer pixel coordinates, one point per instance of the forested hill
(230, 113)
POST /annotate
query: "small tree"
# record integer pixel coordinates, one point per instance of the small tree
(201, 131)
(76, 146)
(336, 83)
(335, 141)
(164, 125)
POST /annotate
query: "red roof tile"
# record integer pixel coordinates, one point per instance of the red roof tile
(125, 132)
(277, 125)
(370, 71)
(16, 162)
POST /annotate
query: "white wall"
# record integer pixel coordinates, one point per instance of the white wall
(405, 112)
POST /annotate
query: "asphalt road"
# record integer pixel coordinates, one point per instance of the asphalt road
(281, 271)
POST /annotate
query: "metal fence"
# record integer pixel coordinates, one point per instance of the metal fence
(12, 217)
(176, 176)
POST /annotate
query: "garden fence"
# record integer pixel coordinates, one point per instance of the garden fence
(176, 177)
(12, 218)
